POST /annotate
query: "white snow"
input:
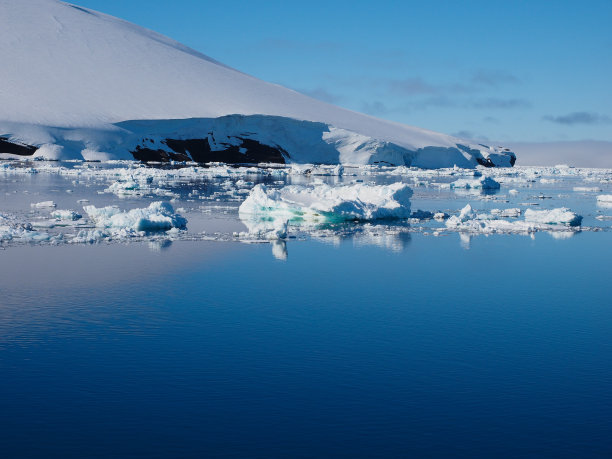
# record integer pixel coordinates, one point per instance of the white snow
(159, 216)
(71, 76)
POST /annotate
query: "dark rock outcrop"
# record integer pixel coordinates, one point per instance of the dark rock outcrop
(16, 148)
(247, 151)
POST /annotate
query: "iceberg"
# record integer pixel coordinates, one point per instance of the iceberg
(483, 183)
(43, 205)
(551, 220)
(66, 215)
(560, 216)
(324, 203)
(159, 216)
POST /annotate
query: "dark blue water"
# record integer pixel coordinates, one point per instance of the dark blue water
(220, 350)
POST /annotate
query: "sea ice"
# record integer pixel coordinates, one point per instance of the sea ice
(604, 198)
(69, 215)
(587, 189)
(321, 202)
(159, 216)
(43, 205)
(560, 216)
(468, 220)
(483, 183)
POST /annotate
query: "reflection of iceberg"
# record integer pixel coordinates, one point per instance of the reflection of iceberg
(322, 203)
(394, 240)
(158, 245)
(266, 229)
(562, 234)
(465, 240)
(279, 249)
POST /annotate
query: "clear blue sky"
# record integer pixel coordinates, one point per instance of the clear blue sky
(499, 70)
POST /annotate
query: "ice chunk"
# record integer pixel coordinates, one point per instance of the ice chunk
(159, 216)
(89, 236)
(322, 202)
(127, 188)
(43, 205)
(70, 215)
(440, 216)
(514, 212)
(587, 189)
(483, 183)
(604, 200)
(470, 221)
(560, 216)
(467, 213)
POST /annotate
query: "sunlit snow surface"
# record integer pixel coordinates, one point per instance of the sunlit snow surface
(119, 202)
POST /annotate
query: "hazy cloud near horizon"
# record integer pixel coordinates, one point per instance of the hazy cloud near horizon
(589, 118)
(586, 153)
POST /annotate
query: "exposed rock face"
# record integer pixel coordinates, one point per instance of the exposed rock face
(16, 148)
(247, 151)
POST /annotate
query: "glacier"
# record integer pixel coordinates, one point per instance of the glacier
(105, 89)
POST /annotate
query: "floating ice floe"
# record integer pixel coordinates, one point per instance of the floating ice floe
(587, 189)
(131, 187)
(159, 216)
(483, 183)
(66, 215)
(560, 216)
(12, 230)
(551, 220)
(268, 212)
(43, 205)
(324, 203)
(604, 200)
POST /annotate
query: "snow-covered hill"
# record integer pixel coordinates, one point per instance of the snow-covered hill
(76, 82)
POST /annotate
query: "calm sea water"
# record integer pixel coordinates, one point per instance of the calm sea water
(498, 347)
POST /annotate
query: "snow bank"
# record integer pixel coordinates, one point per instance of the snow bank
(159, 216)
(322, 202)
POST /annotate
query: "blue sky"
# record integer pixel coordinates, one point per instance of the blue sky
(494, 70)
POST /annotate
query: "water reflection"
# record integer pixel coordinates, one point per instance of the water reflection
(279, 249)
(159, 245)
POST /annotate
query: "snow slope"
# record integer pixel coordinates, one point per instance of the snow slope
(69, 74)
